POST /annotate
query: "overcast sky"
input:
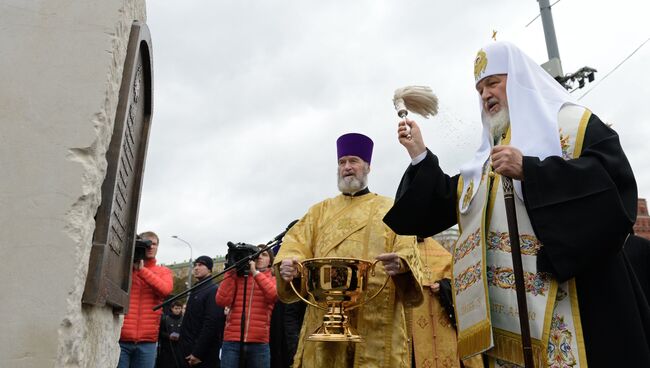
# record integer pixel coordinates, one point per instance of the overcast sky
(250, 96)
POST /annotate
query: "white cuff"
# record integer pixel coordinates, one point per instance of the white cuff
(417, 159)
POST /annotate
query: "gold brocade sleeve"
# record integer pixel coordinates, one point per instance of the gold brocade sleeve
(408, 285)
(294, 245)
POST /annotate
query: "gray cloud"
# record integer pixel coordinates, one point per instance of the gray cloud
(250, 97)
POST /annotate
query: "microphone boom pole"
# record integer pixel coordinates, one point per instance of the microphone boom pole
(269, 246)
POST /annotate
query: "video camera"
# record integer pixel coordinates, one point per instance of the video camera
(141, 246)
(237, 252)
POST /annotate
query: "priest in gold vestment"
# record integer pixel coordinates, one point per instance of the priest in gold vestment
(350, 225)
(434, 336)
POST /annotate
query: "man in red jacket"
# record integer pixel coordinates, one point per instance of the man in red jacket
(259, 300)
(150, 284)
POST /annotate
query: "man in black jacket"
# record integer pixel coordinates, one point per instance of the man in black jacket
(203, 322)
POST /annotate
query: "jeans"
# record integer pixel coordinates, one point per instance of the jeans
(137, 355)
(257, 355)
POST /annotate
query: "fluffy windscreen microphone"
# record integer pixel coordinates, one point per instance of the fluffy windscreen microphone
(418, 99)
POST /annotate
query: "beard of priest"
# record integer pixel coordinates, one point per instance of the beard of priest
(494, 99)
(352, 174)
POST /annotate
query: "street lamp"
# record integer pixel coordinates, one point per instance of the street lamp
(189, 275)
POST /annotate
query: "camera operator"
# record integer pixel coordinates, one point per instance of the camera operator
(150, 284)
(259, 299)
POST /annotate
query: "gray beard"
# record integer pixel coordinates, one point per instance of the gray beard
(352, 184)
(499, 123)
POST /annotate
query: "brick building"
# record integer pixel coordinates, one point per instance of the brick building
(642, 225)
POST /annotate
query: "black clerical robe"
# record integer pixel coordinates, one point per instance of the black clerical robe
(637, 250)
(582, 210)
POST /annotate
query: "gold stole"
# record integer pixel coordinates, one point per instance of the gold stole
(488, 322)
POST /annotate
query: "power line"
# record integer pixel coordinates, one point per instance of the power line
(613, 70)
(538, 15)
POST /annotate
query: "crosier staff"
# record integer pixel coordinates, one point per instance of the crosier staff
(518, 269)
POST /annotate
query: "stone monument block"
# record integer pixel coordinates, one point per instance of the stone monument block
(61, 67)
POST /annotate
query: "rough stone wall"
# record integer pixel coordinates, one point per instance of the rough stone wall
(60, 70)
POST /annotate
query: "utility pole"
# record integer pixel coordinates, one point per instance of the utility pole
(554, 65)
(189, 274)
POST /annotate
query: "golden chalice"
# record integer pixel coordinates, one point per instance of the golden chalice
(337, 285)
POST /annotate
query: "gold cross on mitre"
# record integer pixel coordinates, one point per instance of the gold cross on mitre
(494, 34)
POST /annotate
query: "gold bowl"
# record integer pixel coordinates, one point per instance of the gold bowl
(337, 285)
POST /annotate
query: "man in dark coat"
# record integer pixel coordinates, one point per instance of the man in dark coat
(575, 196)
(202, 328)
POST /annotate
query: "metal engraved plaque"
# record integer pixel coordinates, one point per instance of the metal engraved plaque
(109, 270)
